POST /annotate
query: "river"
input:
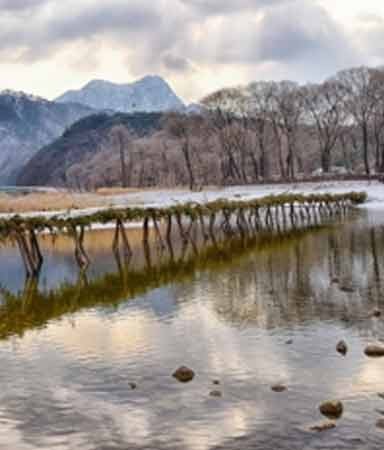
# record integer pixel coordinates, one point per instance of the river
(270, 313)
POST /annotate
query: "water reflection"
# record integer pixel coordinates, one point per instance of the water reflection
(69, 351)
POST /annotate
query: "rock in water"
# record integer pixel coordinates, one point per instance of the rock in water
(376, 313)
(133, 386)
(342, 348)
(323, 427)
(215, 394)
(332, 409)
(347, 289)
(380, 424)
(184, 374)
(374, 351)
(279, 388)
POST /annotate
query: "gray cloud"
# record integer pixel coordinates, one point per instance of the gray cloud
(175, 37)
(140, 25)
(40, 36)
(312, 43)
(131, 17)
(19, 5)
(219, 7)
(312, 34)
(371, 36)
(176, 63)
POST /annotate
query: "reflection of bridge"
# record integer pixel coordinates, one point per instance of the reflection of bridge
(286, 282)
(34, 308)
(194, 222)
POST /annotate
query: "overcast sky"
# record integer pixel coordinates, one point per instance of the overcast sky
(49, 46)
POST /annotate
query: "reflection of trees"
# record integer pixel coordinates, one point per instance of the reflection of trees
(34, 308)
(294, 281)
(287, 281)
(376, 266)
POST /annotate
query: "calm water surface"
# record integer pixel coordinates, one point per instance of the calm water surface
(65, 373)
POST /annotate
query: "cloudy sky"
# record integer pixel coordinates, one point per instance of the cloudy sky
(49, 46)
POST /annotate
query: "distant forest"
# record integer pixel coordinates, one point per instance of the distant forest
(265, 131)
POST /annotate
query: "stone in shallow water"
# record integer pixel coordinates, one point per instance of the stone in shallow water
(323, 427)
(184, 374)
(333, 409)
(380, 424)
(376, 313)
(217, 382)
(279, 388)
(216, 394)
(342, 348)
(289, 342)
(347, 289)
(133, 386)
(374, 350)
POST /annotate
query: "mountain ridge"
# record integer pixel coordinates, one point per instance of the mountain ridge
(148, 94)
(86, 138)
(27, 123)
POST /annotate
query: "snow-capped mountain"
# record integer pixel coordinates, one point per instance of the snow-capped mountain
(150, 94)
(26, 124)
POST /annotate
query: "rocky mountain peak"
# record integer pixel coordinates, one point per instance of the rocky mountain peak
(149, 94)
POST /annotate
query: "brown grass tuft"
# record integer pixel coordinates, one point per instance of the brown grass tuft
(52, 201)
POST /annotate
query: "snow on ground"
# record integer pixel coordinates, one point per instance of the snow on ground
(164, 198)
(374, 189)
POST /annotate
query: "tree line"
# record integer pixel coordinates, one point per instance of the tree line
(343, 115)
(266, 131)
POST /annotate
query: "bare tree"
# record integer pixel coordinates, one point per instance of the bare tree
(378, 136)
(363, 89)
(225, 106)
(121, 135)
(378, 121)
(235, 121)
(260, 106)
(181, 127)
(324, 110)
(287, 115)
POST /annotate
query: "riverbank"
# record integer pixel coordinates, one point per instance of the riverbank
(67, 203)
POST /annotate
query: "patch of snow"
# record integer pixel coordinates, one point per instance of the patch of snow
(375, 191)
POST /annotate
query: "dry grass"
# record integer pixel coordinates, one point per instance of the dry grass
(116, 191)
(52, 201)
(60, 201)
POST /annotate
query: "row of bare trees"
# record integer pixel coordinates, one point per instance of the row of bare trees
(264, 131)
(344, 112)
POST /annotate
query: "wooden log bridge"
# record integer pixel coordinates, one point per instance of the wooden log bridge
(211, 220)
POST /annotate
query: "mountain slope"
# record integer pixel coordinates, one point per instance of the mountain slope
(26, 124)
(149, 94)
(88, 137)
